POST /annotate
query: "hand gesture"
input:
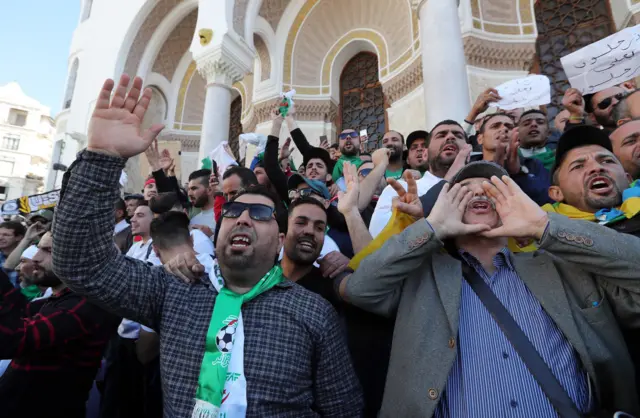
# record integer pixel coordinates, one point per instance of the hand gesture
(408, 200)
(153, 156)
(333, 264)
(462, 159)
(205, 229)
(446, 216)
(115, 124)
(521, 217)
(334, 190)
(165, 159)
(292, 109)
(573, 102)
(381, 157)
(324, 144)
(35, 231)
(171, 172)
(186, 267)
(349, 201)
(512, 161)
(275, 114)
(482, 103)
(285, 151)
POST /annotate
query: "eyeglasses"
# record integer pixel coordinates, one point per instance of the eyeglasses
(308, 192)
(607, 102)
(257, 212)
(346, 135)
(365, 172)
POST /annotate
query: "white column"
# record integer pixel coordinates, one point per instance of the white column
(446, 88)
(216, 118)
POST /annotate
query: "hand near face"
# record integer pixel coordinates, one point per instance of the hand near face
(333, 264)
(349, 201)
(114, 128)
(512, 160)
(461, 160)
(408, 201)
(381, 156)
(35, 231)
(446, 216)
(521, 217)
(186, 267)
(573, 102)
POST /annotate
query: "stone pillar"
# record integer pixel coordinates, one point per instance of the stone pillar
(446, 89)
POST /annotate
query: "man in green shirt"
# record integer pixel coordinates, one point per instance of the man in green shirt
(533, 131)
(349, 141)
(394, 141)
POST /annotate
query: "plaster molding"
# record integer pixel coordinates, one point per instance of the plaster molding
(405, 82)
(188, 143)
(227, 62)
(325, 110)
(496, 55)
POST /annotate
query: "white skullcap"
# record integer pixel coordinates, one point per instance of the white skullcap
(30, 252)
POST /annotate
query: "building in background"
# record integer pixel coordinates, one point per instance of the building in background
(217, 67)
(26, 143)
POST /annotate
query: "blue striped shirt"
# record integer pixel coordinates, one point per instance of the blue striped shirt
(488, 377)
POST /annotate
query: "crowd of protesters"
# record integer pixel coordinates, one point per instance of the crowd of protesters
(487, 268)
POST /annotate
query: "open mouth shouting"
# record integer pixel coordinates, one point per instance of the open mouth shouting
(480, 205)
(600, 185)
(240, 241)
(306, 245)
(450, 148)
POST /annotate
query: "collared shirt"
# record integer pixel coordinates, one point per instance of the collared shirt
(296, 359)
(382, 214)
(56, 345)
(12, 274)
(120, 226)
(488, 377)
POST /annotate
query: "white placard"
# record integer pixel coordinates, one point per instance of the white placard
(606, 63)
(533, 90)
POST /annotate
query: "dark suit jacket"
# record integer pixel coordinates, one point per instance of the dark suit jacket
(124, 240)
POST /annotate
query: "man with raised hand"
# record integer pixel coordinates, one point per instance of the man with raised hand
(291, 359)
(569, 300)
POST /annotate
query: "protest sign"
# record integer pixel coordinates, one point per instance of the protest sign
(606, 63)
(29, 204)
(530, 91)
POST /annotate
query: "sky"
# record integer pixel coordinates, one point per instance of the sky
(35, 37)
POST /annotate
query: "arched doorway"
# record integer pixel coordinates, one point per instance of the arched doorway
(565, 26)
(362, 100)
(235, 125)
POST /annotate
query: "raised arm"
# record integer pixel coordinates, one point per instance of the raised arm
(347, 205)
(369, 185)
(298, 137)
(271, 164)
(84, 255)
(33, 233)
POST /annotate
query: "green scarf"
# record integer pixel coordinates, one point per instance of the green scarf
(221, 335)
(396, 175)
(337, 169)
(31, 292)
(547, 158)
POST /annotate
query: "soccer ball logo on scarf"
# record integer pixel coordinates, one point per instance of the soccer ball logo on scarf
(224, 339)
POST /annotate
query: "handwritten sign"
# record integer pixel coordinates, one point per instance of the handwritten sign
(533, 90)
(606, 63)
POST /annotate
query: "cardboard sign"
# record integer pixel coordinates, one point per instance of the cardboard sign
(530, 91)
(606, 63)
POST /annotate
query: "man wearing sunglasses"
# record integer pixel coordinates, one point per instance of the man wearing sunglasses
(628, 108)
(349, 141)
(246, 307)
(598, 106)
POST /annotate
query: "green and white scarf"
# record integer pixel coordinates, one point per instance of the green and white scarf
(222, 387)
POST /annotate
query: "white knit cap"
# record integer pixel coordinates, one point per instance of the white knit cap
(30, 252)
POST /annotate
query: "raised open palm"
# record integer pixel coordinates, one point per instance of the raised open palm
(115, 124)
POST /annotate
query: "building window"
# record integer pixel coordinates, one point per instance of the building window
(362, 101)
(235, 125)
(6, 168)
(11, 142)
(565, 26)
(71, 84)
(17, 117)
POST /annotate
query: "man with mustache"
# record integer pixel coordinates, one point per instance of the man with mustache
(625, 141)
(569, 299)
(281, 344)
(349, 142)
(446, 141)
(56, 344)
(394, 141)
(500, 144)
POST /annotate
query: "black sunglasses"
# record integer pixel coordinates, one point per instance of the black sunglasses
(607, 102)
(346, 135)
(257, 212)
(308, 192)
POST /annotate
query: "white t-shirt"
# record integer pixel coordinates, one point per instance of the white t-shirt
(382, 214)
(144, 252)
(120, 226)
(206, 217)
(202, 244)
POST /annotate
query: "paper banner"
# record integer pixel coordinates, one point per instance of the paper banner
(606, 63)
(29, 204)
(530, 91)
